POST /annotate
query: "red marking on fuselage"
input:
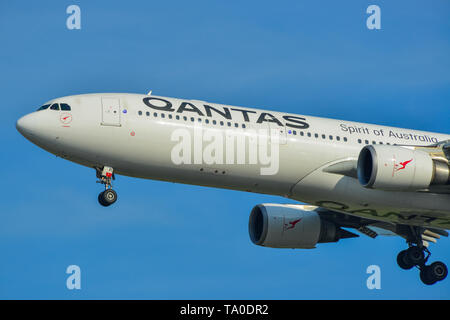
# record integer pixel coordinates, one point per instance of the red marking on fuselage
(65, 118)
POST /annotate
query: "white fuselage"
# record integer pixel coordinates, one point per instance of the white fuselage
(136, 135)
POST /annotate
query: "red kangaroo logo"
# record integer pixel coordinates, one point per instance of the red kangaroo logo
(291, 224)
(65, 118)
(402, 165)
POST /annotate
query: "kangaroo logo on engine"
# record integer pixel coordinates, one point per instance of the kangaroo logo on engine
(400, 166)
(290, 224)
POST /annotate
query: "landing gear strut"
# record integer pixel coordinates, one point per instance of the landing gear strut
(417, 255)
(105, 176)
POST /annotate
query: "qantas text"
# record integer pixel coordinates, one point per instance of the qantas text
(225, 112)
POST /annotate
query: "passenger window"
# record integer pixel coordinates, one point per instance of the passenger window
(345, 139)
(147, 114)
(163, 115)
(236, 125)
(54, 106)
(140, 113)
(64, 107)
(155, 115)
(43, 107)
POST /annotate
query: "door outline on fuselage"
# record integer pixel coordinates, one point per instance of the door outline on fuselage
(111, 112)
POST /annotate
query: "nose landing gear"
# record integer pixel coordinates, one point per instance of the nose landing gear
(417, 256)
(109, 196)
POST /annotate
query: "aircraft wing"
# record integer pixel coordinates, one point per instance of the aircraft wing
(374, 228)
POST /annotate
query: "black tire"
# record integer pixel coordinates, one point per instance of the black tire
(100, 200)
(415, 256)
(437, 271)
(425, 276)
(109, 196)
(403, 262)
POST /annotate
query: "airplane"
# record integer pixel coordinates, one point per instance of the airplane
(373, 179)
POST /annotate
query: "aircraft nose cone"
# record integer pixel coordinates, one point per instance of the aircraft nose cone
(23, 125)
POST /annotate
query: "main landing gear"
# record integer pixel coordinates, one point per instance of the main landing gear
(109, 196)
(417, 255)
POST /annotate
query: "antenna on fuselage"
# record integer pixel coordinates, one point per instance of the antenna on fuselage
(149, 93)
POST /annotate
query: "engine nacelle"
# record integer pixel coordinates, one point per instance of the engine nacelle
(399, 168)
(291, 226)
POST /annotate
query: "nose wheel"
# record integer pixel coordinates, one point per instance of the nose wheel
(109, 196)
(417, 256)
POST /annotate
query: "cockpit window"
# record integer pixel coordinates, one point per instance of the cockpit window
(45, 106)
(54, 106)
(64, 106)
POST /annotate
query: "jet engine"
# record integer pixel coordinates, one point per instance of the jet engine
(291, 226)
(399, 168)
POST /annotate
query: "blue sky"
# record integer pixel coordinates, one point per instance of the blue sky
(168, 241)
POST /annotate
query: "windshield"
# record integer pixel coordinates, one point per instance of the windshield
(65, 107)
(45, 106)
(54, 106)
